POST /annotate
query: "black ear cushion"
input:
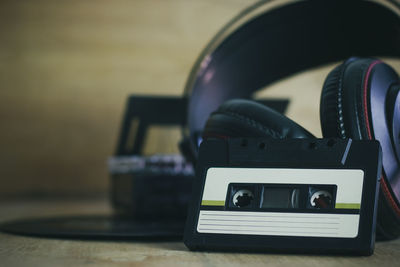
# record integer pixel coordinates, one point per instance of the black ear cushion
(331, 113)
(245, 118)
(341, 115)
(341, 111)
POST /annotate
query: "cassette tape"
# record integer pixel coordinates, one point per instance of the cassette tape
(297, 195)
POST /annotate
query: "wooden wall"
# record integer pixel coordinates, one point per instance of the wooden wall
(67, 67)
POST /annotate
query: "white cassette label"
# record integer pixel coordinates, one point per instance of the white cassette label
(349, 184)
(283, 224)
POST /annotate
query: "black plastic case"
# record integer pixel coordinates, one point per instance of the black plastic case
(251, 171)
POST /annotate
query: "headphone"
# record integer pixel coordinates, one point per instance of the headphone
(271, 40)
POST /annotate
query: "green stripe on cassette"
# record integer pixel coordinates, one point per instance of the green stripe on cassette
(213, 203)
(355, 206)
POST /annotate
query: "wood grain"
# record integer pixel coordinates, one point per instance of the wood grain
(66, 69)
(28, 251)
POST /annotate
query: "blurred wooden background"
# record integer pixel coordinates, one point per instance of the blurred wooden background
(67, 67)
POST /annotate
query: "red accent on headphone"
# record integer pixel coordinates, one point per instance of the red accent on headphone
(383, 182)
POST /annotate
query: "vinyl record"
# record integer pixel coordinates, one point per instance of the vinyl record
(96, 227)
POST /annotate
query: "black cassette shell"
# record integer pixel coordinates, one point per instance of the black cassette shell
(329, 154)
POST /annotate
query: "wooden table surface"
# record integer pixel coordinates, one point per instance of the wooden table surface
(29, 251)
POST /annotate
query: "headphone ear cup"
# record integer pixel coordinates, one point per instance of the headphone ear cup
(341, 107)
(344, 114)
(245, 118)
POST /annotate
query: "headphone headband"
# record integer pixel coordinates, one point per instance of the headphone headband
(274, 39)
